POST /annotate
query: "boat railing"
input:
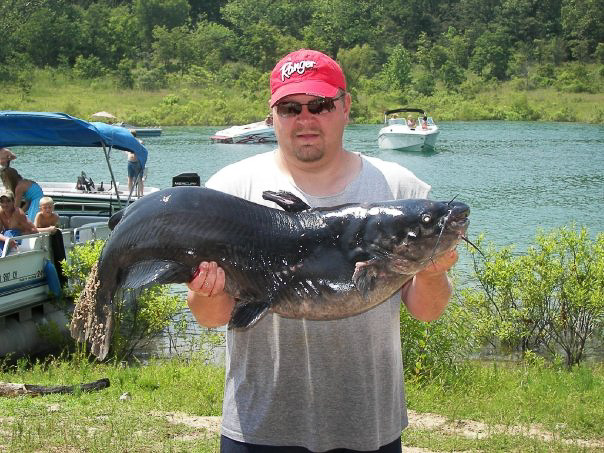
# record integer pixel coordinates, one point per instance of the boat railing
(90, 232)
(75, 236)
(26, 242)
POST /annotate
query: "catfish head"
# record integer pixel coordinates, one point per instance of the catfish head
(409, 235)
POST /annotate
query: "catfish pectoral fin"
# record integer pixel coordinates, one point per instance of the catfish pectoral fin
(246, 315)
(365, 276)
(153, 272)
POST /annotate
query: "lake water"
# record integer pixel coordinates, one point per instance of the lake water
(517, 177)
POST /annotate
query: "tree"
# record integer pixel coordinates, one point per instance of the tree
(214, 45)
(173, 48)
(345, 24)
(583, 20)
(397, 69)
(490, 56)
(452, 75)
(360, 61)
(51, 33)
(163, 13)
(288, 17)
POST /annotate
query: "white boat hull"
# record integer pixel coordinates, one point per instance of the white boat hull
(23, 282)
(398, 136)
(258, 132)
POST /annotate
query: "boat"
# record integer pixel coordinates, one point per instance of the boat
(81, 196)
(141, 131)
(30, 276)
(398, 134)
(258, 132)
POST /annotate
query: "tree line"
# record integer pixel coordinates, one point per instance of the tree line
(143, 43)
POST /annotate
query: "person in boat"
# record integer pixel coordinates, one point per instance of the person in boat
(424, 122)
(284, 376)
(135, 171)
(27, 192)
(269, 119)
(46, 219)
(6, 155)
(410, 121)
(13, 221)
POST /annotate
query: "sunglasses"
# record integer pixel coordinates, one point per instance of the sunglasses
(316, 107)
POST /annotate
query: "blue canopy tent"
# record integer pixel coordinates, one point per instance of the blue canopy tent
(59, 129)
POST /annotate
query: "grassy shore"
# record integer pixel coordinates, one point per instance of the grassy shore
(174, 406)
(186, 105)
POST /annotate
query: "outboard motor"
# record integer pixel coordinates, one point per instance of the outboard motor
(186, 179)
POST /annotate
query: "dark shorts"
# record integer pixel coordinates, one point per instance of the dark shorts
(232, 446)
(134, 168)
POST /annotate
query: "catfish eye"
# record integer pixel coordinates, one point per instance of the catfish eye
(426, 218)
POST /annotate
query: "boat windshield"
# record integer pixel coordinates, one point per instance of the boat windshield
(395, 121)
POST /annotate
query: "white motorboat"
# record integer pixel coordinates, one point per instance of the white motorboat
(258, 132)
(417, 135)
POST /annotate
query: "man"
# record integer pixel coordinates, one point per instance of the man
(13, 221)
(300, 385)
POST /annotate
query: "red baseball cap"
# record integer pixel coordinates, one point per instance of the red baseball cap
(306, 72)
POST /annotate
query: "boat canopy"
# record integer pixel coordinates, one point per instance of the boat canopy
(403, 109)
(59, 129)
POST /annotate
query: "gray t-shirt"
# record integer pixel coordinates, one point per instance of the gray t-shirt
(317, 384)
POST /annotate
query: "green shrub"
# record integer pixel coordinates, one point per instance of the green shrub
(139, 316)
(150, 79)
(549, 300)
(432, 349)
(88, 67)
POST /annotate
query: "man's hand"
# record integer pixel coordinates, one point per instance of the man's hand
(427, 294)
(441, 264)
(208, 280)
(209, 303)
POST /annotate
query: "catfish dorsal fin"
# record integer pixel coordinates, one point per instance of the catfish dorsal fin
(287, 200)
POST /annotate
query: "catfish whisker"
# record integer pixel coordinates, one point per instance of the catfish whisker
(452, 199)
(470, 242)
(442, 229)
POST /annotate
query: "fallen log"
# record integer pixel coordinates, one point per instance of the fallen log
(11, 389)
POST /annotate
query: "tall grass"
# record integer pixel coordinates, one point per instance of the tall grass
(218, 102)
(569, 404)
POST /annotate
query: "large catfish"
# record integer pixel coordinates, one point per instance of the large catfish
(299, 262)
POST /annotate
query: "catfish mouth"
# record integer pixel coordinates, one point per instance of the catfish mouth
(451, 229)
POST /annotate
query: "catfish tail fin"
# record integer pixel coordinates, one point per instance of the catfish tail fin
(92, 321)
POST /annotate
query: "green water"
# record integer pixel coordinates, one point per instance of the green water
(517, 177)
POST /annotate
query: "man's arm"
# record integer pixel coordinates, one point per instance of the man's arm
(19, 192)
(209, 303)
(427, 295)
(25, 225)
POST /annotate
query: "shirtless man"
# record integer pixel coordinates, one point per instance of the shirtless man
(13, 221)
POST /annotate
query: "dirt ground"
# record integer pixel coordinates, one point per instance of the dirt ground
(432, 422)
(205, 426)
